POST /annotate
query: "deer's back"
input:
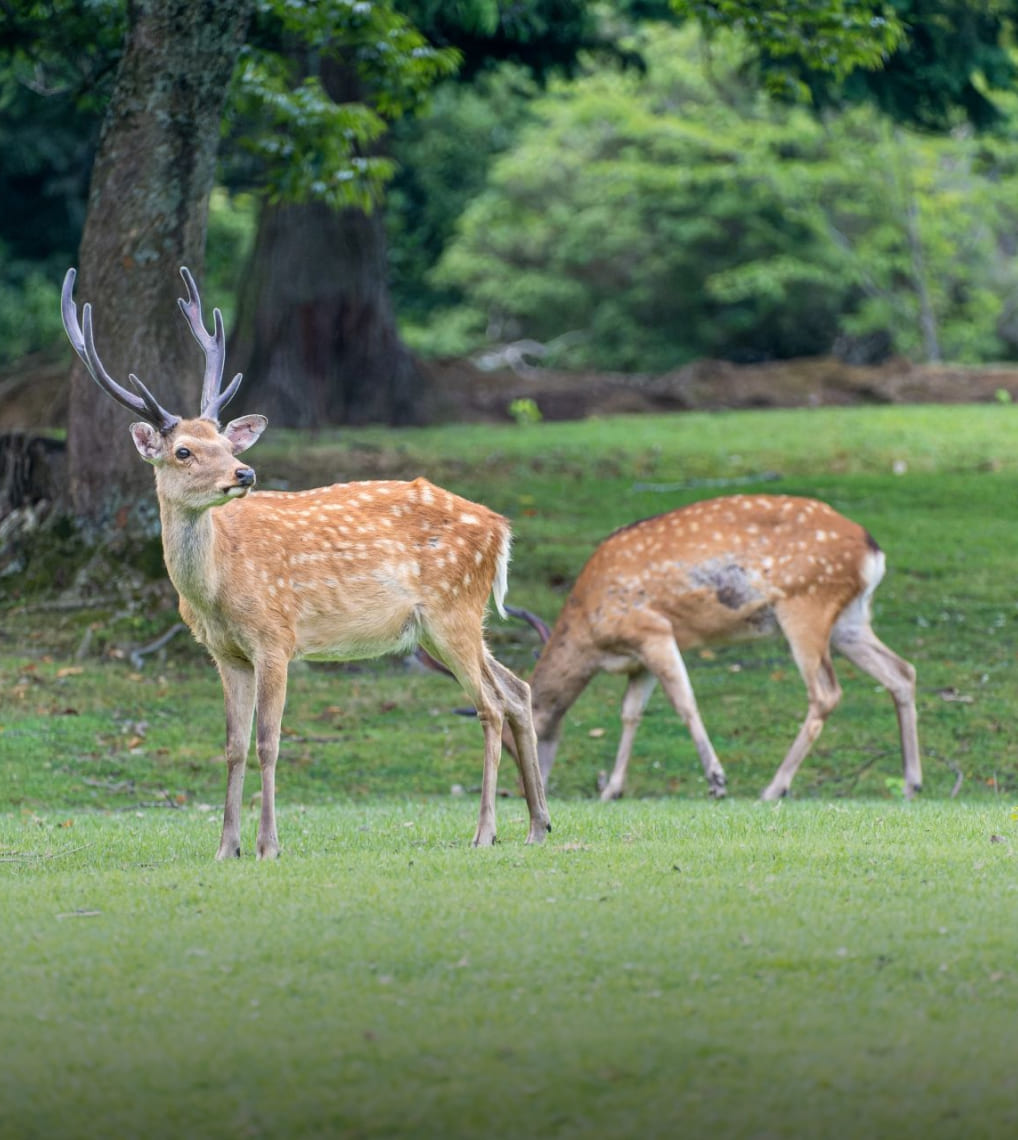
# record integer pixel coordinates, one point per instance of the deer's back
(717, 568)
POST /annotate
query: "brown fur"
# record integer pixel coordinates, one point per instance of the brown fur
(721, 570)
(349, 571)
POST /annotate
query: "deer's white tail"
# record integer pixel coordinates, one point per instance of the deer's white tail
(501, 582)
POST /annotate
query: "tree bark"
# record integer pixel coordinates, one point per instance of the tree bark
(315, 333)
(147, 215)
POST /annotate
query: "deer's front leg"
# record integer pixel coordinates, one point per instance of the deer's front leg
(271, 690)
(638, 692)
(239, 691)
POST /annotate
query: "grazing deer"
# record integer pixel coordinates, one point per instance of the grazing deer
(344, 572)
(726, 569)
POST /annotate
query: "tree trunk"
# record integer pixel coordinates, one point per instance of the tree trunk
(147, 214)
(315, 332)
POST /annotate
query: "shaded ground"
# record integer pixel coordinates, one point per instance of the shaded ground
(465, 392)
(33, 393)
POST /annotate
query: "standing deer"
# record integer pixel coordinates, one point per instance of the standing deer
(344, 572)
(722, 570)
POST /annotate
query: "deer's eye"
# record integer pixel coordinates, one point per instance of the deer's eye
(183, 453)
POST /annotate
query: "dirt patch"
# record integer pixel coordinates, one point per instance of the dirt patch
(34, 392)
(462, 391)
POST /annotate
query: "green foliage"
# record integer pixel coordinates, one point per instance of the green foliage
(525, 411)
(57, 61)
(231, 232)
(680, 214)
(664, 219)
(314, 145)
(443, 155)
(927, 216)
(29, 307)
(833, 36)
(954, 64)
(926, 63)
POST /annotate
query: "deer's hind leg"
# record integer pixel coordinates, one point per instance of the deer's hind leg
(498, 696)
(809, 640)
(515, 694)
(865, 650)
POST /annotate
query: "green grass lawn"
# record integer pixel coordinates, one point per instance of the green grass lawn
(659, 968)
(842, 964)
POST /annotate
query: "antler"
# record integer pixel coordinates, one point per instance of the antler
(143, 404)
(541, 626)
(214, 346)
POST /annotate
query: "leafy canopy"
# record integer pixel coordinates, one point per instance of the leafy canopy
(682, 213)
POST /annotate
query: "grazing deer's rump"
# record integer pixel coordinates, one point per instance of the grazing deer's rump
(349, 571)
(721, 570)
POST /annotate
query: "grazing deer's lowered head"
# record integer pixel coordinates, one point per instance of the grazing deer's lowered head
(725, 569)
(343, 572)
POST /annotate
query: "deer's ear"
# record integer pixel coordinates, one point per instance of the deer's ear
(148, 441)
(244, 431)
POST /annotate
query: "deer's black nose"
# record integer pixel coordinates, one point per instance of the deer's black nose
(245, 476)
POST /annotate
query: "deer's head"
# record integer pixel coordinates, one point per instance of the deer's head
(195, 460)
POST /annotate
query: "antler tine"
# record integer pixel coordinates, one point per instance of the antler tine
(83, 343)
(541, 626)
(213, 400)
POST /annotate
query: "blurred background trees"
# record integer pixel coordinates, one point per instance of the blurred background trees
(682, 212)
(658, 181)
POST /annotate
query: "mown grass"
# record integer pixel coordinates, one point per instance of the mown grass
(842, 964)
(95, 732)
(658, 968)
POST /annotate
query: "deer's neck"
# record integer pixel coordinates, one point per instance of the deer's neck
(560, 676)
(189, 541)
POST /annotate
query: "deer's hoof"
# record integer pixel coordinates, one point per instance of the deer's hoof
(539, 831)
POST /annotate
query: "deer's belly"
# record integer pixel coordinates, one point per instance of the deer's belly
(355, 637)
